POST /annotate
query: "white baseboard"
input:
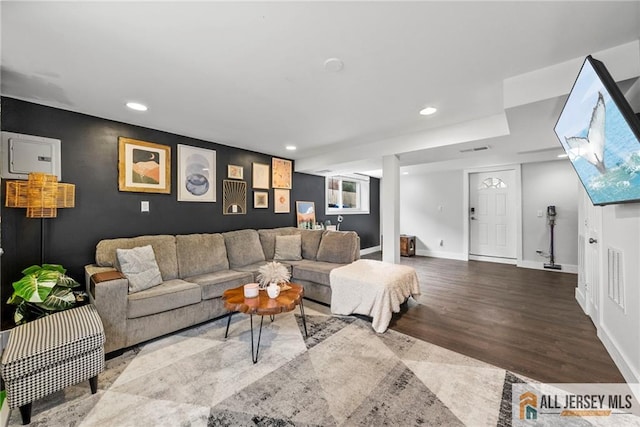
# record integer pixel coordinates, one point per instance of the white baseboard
(582, 301)
(370, 250)
(497, 260)
(566, 268)
(617, 355)
(441, 254)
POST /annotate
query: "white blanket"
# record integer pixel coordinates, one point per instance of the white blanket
(372, 288)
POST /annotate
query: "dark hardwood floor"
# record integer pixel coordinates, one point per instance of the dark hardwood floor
(523, 320)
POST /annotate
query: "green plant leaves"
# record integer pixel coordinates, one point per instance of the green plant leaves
(43, 290)
(36, 287)
(59, 299)
(67, 282)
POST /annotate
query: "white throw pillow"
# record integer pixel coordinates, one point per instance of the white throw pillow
(288, 248)
(140, 267)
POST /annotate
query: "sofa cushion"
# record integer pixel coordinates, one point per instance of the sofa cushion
(268, 239)
(164, 297)
(310, 243)
(253, 269)
(313, 271)
(243, 247)
(200, 254)
(140, 267)
(164, 248)
(337, 247)
(288, 248)
(214, 284)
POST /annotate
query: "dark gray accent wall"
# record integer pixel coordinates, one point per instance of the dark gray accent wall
(90, 161)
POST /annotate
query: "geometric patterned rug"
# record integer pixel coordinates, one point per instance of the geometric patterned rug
(343, 374)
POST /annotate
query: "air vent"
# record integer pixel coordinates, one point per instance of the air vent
(615, 278)
(324, 171)
(468, 150)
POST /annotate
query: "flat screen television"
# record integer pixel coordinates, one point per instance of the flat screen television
(601, 135)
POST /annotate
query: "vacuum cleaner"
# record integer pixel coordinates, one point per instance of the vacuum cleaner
(551, 217)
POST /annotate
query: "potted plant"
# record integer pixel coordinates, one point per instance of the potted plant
(273, 272)
(43, 290)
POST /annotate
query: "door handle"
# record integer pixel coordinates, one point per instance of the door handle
(592, 240)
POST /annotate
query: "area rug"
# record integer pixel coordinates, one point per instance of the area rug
(343, 374)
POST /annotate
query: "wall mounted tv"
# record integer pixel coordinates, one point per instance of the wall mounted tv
(599, 131)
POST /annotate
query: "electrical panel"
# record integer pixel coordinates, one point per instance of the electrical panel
(22, 154)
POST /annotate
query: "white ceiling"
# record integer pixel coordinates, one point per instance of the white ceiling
(251, 74)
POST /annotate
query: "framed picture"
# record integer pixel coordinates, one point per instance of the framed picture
(281, 201)
(306, 215)
(260, 175)
(235, 172)
(280, 173)
(260, 199)
(143, 167)
(235, 197)
(196, 174)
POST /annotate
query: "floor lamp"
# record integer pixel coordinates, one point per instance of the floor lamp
(42, 195)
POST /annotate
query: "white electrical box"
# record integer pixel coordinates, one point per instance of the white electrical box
(22, 154)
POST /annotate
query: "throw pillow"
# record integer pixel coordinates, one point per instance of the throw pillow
(140, 267)
(288, 248)
(337, 247)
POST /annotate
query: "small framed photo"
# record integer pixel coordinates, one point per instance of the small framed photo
(143, 167)
(260, 175)
(306, 215)
(281, 201)
(280, 173)
(234, 195)
(235, 172)
(260, 199)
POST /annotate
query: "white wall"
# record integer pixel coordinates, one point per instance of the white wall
(431, 210)
(544, 184)
(619, 329)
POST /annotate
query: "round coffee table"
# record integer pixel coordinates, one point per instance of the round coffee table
(262, 305)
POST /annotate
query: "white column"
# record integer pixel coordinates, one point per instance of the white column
(391, 209)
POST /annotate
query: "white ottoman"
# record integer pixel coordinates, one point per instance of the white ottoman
(373, 288)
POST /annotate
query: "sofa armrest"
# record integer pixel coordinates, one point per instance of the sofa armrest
(108, 291)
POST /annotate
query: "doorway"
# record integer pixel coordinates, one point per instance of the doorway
(493, 216)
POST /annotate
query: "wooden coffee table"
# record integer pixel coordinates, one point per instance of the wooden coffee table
(262, 305)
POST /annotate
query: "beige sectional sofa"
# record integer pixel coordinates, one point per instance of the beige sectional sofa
(196, 269)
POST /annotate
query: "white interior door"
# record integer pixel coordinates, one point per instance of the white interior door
(592, 224)
(492, 216)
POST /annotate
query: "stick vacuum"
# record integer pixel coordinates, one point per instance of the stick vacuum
(551, 216)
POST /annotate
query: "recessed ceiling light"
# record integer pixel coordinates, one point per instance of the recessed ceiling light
(562, 156)
(291, 147)
(427, 111)
(137, 106)
(405, 173)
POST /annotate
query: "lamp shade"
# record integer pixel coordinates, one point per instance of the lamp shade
(41, 195)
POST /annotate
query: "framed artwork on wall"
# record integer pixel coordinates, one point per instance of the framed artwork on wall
(196, 174)
(235, 197)
(280, 173)
(235, 172)
(281, 201)
(260, 199)
(306, 215)
(260, 176)
(143, 167)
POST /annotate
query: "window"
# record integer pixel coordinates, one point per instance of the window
(347, 194)
(492, 183)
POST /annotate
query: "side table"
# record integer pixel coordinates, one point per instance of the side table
(262, 305)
